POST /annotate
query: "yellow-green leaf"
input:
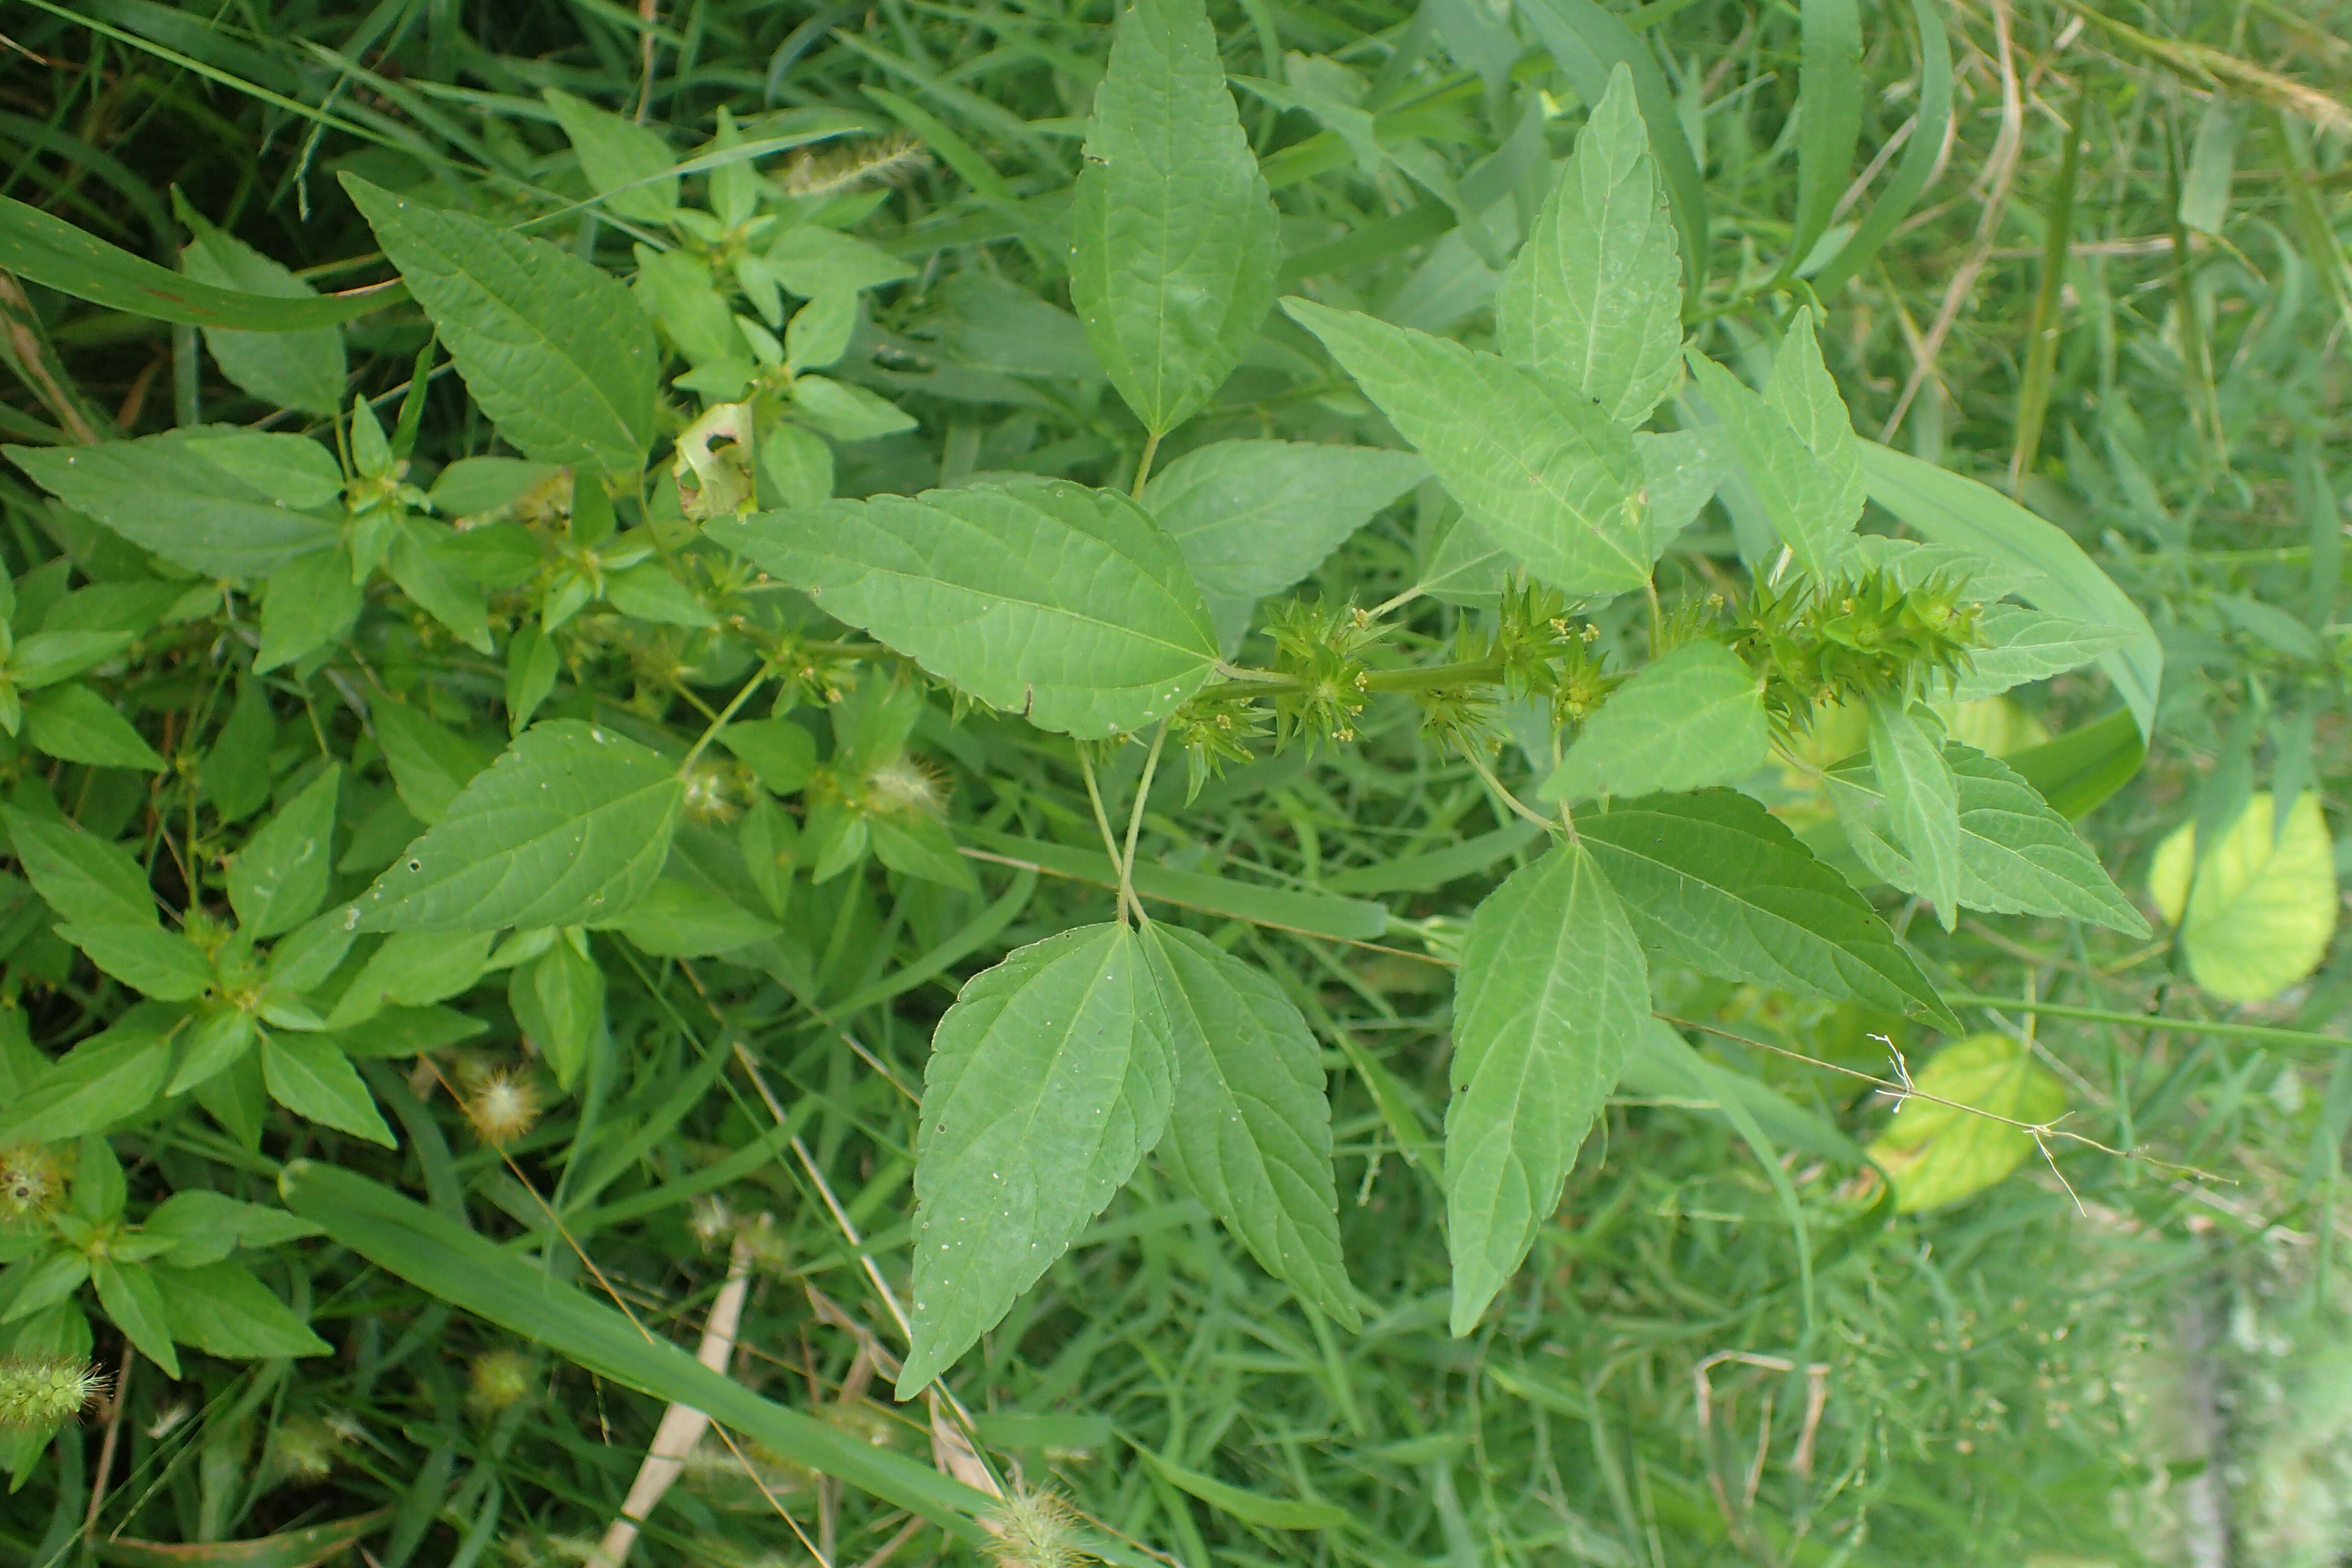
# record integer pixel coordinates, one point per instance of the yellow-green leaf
(1940, 1153)
(2256, 914)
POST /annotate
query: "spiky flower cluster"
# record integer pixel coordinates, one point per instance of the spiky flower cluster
(1214, 728)
(1034, 1527)
(1320, 648)
(1854, 638)
(1544, 653)
(35, 1393)
(31, 1180)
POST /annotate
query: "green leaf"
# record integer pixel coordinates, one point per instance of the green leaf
(437, 584)
(1249, 1131)
(2022, 645)
(1315, 914)
(302, 371)
(559, 1001)
(570, 825)
(278, 878)
(625, 163)
(676, 920)
(650, 593)
(1552, 994)
(130, 1297)
(1175, 234)
(1922, 802)
(310, 1075)
(412, 969)
(1813, 502)
(553, 350)
(309, 602)
(1253, 517)
(1714, 882)
(101, 1081)
(918, 844)
(305, 1548)
(820, 331)
(47, 657)
(2077, 771)
(222, 1310)
(53, 252)
(75, 725)
(811, 259)
(1250, 1508)
(1691, 719)
(430, 762)
(167, 967)
(1049, 1078)
(1544, 472)
(221, 501)
(1830, 97)
(2256, 912)
(205, 1226)
(1663, 1064)
(781, 752)
(1939, 1154)
(78, 874)
(408, 1032)
(1951, 509)
(1593, 299)
(1042, 597)
(446, 1261)
(2017, 855)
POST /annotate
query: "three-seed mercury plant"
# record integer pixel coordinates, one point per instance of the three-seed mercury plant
(1104, 618)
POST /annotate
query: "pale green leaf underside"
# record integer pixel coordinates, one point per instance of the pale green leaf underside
(1691, 719)
(1593, 299)
(569, 826)
(2017, 855)
(1048, 1080)
(1253, 517)
(1922, 801)
(222, 501)
(2024, 645)
(1810, 506)
(1546, 473)
(1552, 992)
(1040, 597)
(1713, 881)
(553, 348)
(1250, 1131)
(1172, 267)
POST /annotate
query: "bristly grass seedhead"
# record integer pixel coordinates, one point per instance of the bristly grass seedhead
(35, 1393)
(503, 1105)
(1034, 1527)
(827, 173)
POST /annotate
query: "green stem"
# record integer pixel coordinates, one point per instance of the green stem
(2262, 1032)
(1246, 682)
(758, 679)
(1135, 823)
(1143, 465)
(1505, 797)
(1102, 821)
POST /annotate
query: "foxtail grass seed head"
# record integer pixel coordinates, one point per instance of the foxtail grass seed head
(303, 1449)
(906, 784)
(31, 1181)
(1034, 1527)
(36, 1392)
(498, 1380)
(832, 171)
(503, 1105)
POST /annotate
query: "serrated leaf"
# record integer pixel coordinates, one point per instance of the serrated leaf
(781, 752)
(303, 370)
(1923, 804)
(2257, 911)
(1713, 881)
(1552, 994)
(1049, 1078)
(1939, 1154)
(2018, 856)
(80, 876)
(430, 762)
(1249, 1131)
(278, 878)
(675, 920)
(75, 725)
(1681, 471)
(570, 825)
(1544, 472)
(1040, 598)
(553, 350)
(1803, 393)
(1593, 299)
(1810, 504)
(155, 963)
(218, 500)
(2022, 645)
(222, 1310)
(1691, 719)
(309, 602)
(100, 1083)
(1175, 241)
(625, 163)
(310, 1075)
(1253, 517)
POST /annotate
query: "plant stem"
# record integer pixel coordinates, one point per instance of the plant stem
(1135, 823)
(1143, 464)
(2264, 1032)
(1102, 821)
(718, 723)
(1505, 797)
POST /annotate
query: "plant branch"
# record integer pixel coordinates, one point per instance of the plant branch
(1135, 823)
